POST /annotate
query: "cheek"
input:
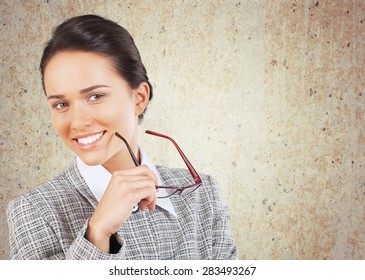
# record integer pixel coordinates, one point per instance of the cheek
(59, 124)
(119, 115)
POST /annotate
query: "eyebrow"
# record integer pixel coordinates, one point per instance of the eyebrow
(82, 91)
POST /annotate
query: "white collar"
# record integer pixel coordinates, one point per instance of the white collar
(97, 178)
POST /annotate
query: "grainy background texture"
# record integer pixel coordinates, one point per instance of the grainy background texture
(266, 96)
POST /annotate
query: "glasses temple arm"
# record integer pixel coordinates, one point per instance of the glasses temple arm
(193, 172)
(129, 148)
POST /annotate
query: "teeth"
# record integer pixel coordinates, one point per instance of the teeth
(90, 139)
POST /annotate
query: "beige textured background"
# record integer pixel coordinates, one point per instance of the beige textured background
(267, 96)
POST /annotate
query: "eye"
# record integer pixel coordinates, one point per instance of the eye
(59, 106)
(95, 96)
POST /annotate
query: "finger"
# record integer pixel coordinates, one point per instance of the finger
(142, 170)
(126, 179)
(148, 199)
(124, 183)
(149, 202)
(151, 174)
(152, 205)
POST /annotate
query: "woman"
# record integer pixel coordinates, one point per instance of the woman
(106, 205)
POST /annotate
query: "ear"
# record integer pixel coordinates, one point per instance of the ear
(142, 96)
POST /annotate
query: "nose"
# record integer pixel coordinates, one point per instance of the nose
(81, 117)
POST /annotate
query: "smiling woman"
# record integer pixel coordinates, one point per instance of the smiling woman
(106, 205)
(88, 109)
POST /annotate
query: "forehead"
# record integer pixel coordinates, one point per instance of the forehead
(73, 70)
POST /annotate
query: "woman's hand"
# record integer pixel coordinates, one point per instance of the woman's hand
(126, 189)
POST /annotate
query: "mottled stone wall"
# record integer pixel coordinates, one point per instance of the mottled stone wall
(266, 96)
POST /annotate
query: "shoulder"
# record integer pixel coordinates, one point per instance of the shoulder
(171, 176)
(207, 192)
(205, 204)
(46, 192)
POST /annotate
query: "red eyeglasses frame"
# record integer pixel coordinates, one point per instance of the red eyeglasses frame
(174, 189)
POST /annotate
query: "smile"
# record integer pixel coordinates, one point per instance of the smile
(89, 139)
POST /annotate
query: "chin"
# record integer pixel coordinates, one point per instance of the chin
(91, 161)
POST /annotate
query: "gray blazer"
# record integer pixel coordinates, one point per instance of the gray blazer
(50, 223)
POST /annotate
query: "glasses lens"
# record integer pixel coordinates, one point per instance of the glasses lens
(167, 192)
(164, 192)
(190, 189)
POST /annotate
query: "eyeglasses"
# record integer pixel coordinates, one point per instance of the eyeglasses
(170, 190)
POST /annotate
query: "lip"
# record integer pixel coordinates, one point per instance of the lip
(88, 145)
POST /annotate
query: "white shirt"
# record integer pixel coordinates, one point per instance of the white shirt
(97, 179)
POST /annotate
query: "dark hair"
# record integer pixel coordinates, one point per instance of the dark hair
(93, 33)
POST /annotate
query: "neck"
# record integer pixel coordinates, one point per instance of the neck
(122, 160)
